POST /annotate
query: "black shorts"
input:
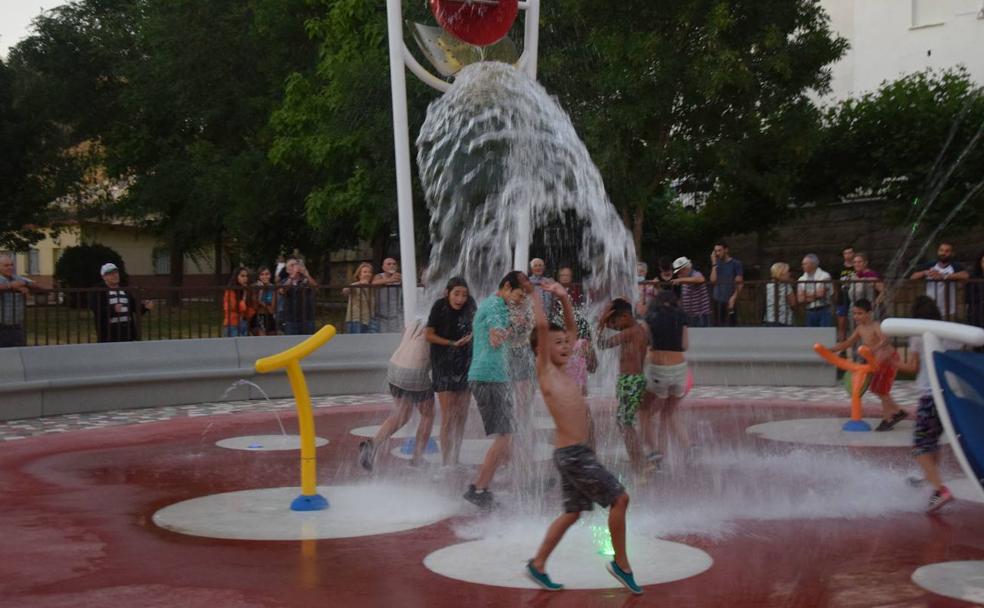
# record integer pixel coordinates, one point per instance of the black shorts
(495, 404)
(449, 379)
(415, 397)
(583, 481)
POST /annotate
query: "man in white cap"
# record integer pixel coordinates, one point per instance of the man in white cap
(694, 299)
(116, 311)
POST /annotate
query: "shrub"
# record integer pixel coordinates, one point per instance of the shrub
(78, 267)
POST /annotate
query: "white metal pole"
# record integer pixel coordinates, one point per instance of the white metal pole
(531, 37)
(401, 146)
(521, 254)
(531, 40)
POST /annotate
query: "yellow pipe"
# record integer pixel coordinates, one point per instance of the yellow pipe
(290, 360)
(297, 352)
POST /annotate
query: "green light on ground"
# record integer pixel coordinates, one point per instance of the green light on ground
(602, 540)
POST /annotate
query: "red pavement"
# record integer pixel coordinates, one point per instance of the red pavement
(77, 531)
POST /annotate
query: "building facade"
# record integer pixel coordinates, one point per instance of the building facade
(892, 38)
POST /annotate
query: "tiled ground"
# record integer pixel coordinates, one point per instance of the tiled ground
(904, 392)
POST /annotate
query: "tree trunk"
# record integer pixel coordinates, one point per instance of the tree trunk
(638, 217)
(176, 279)
(217, 256)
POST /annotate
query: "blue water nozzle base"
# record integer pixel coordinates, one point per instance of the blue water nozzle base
(317, 502)
(856, 426)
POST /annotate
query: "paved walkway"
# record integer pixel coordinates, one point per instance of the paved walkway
(904, 392)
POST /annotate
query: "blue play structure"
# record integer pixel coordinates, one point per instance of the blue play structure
(960, 402)
(957, 379)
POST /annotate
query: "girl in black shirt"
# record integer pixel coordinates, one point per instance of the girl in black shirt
(449, 329)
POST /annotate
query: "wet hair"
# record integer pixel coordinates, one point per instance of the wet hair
(925, 308)
(862, 303)
(621, 307)
(456, 282)
(459, 282)
(552, 328)
(512, 279)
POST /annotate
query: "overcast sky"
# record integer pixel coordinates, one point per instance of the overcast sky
(15, 18)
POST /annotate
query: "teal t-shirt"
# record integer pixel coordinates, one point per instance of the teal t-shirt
(488, 364)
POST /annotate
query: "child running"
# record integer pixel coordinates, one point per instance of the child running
(583, 480)
(926, 436)
(868, 332)
(409, 380)
(630, 390)
(488, 379)
(666, 372)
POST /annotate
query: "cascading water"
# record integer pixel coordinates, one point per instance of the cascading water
(496, 153)
(500, 162)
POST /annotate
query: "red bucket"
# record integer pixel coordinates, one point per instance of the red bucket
(478, 22)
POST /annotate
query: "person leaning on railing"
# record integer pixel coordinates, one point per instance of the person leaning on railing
(780, 298)
(360, 313)
(939, 276)
(264, 321)
(813, 290)
(298, 294)
(13, 289)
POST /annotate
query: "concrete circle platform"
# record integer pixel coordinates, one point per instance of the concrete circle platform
(264, 514)
(827, 431)
(959, 580)
(266, 443)
(473, 452)
(408, 430)
(577, 563)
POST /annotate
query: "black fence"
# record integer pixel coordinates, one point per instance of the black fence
(79, 316)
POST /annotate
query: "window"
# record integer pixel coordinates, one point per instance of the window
(162, 261)
(928, 12)
(33, 261)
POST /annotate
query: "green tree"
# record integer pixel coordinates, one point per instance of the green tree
(19, 211)
(336, 121)
(708, 98)
(901, 142)
(175, 97)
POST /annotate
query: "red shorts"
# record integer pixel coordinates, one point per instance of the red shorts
(883, 379)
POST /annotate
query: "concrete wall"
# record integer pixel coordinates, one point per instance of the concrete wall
(51, 380)
(892, 38)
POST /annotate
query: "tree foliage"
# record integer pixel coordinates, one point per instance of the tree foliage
(901, 142)
(696, 97)
(175, 96)
(337, 121)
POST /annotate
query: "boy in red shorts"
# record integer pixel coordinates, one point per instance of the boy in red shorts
(868, 332)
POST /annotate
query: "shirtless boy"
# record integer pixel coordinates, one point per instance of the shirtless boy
(868, 332)
(583, 480)
(630, 390)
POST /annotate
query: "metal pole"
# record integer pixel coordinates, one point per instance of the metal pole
(401, 146)
(531, 41)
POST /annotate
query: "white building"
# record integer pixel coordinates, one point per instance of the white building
(892, 38)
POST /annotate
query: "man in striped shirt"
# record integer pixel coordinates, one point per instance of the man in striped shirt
(694, 299)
